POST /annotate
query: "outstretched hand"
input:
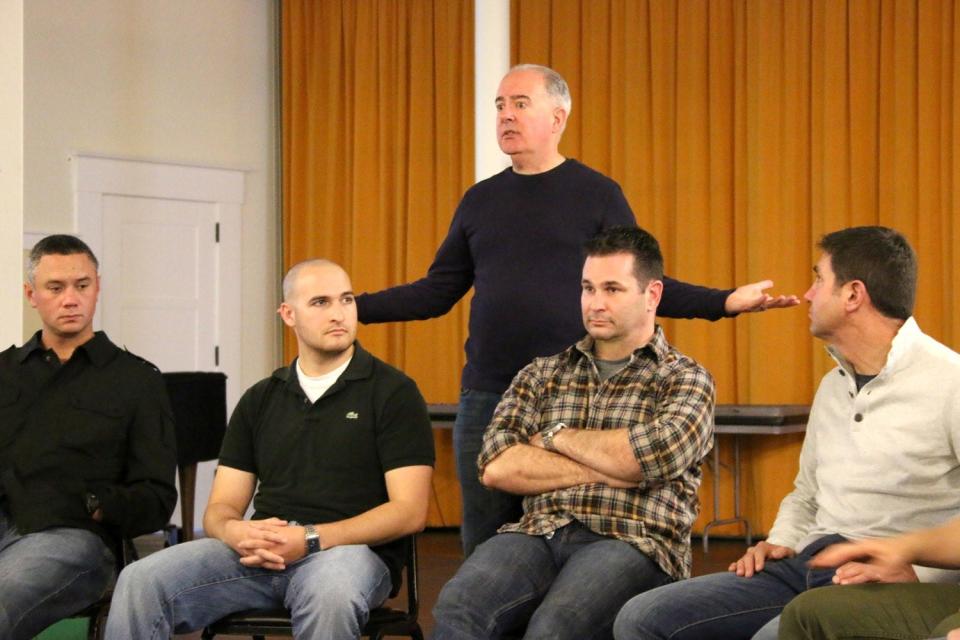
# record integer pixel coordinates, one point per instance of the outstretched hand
(861, 572)
(753, 297)
(866, 561)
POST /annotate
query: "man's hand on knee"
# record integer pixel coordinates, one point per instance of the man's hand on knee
(756, 556)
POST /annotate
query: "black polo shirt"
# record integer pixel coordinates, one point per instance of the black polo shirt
(98, 423)
(325, 461)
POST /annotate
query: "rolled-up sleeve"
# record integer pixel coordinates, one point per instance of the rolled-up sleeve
(680, 432)
(517, 417)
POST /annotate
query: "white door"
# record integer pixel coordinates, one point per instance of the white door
(159, 290)
(168, 240)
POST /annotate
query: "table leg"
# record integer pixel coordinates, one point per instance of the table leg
(737, 516)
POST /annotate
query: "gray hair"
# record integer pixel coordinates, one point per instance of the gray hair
(553, 82)
(59, 244)
(291, 278)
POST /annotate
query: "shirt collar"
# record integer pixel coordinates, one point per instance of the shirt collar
(361, 366)
(98, 349)
(657, 347)
(31, 345)
(902, 344)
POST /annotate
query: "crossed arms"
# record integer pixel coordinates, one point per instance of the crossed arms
(657, 445)
(274, 543)
(582, 457)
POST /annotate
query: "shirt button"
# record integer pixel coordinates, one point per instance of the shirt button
(842, 372)
(858, 417)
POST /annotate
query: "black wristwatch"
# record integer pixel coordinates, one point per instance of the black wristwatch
(312, 538)
(92, 503)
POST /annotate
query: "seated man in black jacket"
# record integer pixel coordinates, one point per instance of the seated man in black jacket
(87, 453)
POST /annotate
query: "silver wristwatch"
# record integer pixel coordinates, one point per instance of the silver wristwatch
(312, 538)
(550, 433)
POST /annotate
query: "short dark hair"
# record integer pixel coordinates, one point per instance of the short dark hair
(647, 259)
(59, 244)
(880, 258)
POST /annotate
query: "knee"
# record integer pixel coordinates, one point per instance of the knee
(342, 599)
(637, 619)
(146, 576)
(134, 578)
(353, 582)
(554, 620)
(453, 596)
(467, 598)
(802, 615)
(337, 609)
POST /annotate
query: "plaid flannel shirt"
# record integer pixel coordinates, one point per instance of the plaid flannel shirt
(665, 399)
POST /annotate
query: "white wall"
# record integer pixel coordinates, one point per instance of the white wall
(175, 81)
(178, 81)
(11, 169)
(491, 61)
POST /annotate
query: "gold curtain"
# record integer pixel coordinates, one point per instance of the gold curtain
(377, 101)
(742, 131)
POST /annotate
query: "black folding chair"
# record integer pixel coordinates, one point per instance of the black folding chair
(384, 621)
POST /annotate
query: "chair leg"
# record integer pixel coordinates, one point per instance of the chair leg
(97, 624)
(188, 482)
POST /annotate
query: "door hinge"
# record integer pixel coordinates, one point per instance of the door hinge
(216, 232)
(216, 356)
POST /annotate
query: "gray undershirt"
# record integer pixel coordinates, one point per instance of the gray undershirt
(609, 368)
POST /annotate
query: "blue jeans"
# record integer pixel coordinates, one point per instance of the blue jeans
(484, 510)
(568, 585)
(48, 575)
(190, 585)
(769, 631)
(722, 605)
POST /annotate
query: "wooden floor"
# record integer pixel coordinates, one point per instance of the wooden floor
(440, 557)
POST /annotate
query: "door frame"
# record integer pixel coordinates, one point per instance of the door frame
(97, 176)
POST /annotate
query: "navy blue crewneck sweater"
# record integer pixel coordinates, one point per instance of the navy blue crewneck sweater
(518, 240)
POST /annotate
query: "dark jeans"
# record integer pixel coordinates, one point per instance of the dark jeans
(569, 585)
(722, 605)
(484, 510)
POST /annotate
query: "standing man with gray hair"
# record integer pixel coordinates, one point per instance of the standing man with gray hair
(516, 238)
(87, 453)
